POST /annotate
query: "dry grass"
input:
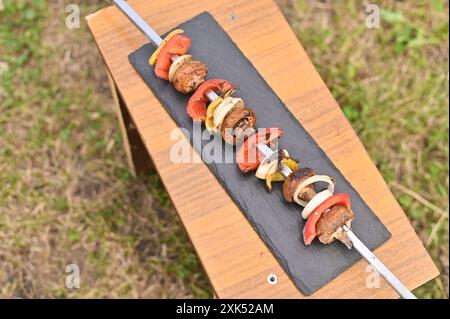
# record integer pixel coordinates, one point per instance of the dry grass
(392, 84)
(67, 197)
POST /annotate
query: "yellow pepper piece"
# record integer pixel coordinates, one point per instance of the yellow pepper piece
(209, 122)
(155, 54)
(289, 163)
(275, 177)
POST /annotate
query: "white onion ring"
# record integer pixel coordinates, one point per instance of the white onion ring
(318, 199)
(224, 108)
(265, 169)
(181, 60)
(311, 180)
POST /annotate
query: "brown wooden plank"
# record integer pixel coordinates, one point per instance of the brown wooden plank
(235, 259)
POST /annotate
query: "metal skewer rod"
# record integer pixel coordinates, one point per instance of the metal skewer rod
(286, 171)
(138, 21)
(150, 33)
(379, 266)
(359, 246)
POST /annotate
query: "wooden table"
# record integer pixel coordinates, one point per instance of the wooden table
(235, 259)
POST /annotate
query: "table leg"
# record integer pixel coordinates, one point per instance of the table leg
(138, 158)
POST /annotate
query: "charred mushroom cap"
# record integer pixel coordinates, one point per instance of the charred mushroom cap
(189, 76)
(329, 226)
(284, 154)
(236, 124)
(293, 180)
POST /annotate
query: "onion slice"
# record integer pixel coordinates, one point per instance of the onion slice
(224, 108)
(209, 121)
(268, 165)
(265, 169)
(182, 59)
(309, 181)
(318, 199)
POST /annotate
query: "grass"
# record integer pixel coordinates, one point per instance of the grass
(66, 195)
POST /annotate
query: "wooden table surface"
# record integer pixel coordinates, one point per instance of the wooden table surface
(235, 259)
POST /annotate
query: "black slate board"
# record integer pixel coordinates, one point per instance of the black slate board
(278, 223)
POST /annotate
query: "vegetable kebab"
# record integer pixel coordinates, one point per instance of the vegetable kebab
(325, 213)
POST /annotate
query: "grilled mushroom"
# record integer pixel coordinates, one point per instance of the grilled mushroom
(179, 62)
(189, 76)
(236, 124)
(329, 226)
(284, 154)
(293, 180)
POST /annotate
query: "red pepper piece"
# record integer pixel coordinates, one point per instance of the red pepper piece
(248, 157)
(309, 232)
(178, 44)
(196, 106)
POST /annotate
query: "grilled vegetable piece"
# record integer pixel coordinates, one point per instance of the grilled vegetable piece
(293, 180)
(209, 121)
(228, 104)
(248, 157)
(310, 181)
(290, 162)
(266, 167)
(237, 123)
(329, 225)
(155, 54)
(314, 202)
(179, 45)
(181, 60)
(309, 232)
(196, 106)
(284, 160)
(189, 76)
(275, 177)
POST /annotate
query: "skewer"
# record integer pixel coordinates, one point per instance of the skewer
(286, 171)
(138, 21)
(150, 33)
(358, 244)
